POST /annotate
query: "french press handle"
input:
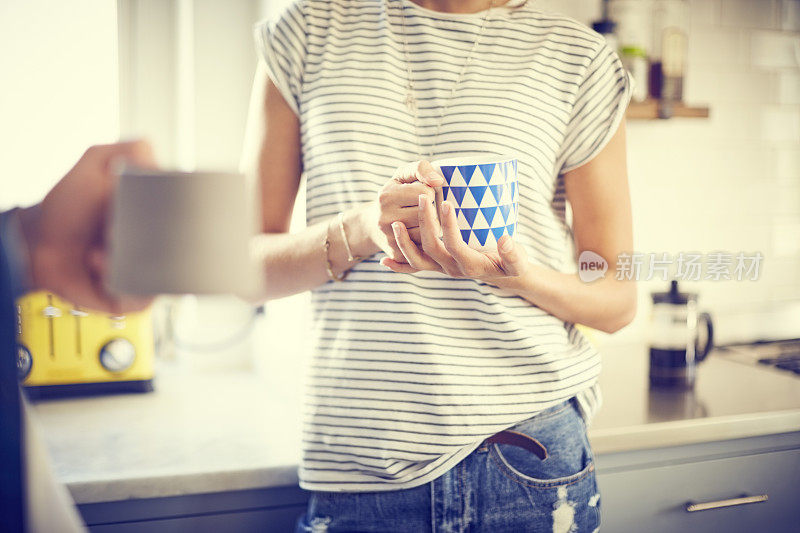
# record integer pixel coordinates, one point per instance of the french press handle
(701, 354)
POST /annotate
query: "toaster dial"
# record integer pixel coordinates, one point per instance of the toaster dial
(24, 362)
(117, 355)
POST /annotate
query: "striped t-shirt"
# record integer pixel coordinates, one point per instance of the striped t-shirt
(410, 372)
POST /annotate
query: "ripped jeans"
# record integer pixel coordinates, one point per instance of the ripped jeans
(497, 488)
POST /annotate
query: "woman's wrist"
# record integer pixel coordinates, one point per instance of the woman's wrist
(358, 226)
(515, 284)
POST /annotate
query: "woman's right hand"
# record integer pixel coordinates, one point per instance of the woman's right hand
(398, 200)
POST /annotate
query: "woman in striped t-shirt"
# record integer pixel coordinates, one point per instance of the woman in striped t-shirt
(449, 390)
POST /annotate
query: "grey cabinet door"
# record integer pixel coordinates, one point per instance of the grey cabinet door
(654, 499)
(258, 521)
(273, 510)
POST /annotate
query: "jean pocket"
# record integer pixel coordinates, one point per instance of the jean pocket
(568, 458)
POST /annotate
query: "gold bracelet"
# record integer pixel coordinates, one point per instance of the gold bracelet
(350, 256)
(328, 264)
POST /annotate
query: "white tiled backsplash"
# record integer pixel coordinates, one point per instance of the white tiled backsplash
(731, 182)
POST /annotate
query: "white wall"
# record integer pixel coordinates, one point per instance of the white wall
(731, 182)
(225, 61)
(59, 91)
(187, 69)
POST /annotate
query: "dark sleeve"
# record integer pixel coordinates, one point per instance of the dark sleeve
(11, 473)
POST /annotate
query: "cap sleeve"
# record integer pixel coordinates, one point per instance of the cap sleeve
(599, 107)
(281, 44)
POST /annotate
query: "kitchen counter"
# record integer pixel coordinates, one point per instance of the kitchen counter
(203, 432)
(730, 400)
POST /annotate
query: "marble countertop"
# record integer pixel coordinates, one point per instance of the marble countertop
(731, 400)
(210, 432)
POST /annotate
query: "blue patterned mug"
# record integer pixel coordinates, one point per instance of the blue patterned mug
(485, 194)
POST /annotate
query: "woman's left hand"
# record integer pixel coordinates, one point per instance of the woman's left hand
(451, 255)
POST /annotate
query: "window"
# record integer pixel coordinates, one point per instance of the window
(187, 70)
(60, 90)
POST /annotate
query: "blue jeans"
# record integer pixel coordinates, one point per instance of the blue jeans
(497, 488)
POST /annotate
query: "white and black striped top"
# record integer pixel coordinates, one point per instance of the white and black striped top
(411, 372)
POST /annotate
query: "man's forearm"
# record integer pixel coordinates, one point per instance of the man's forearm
(606, 304)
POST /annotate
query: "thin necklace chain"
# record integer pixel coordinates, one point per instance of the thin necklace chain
(411, 100)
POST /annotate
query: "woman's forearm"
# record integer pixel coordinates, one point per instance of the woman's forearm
(296, 262)
(607, 304)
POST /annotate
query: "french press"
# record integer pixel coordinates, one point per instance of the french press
(675, 349)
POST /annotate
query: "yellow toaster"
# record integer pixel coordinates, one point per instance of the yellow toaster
(64, 350)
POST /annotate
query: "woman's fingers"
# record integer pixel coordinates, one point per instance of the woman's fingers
(391, 249)
(414, 233)
(469, 261)
(407, 215)
(450, 255)
(421, 171)
(413, 255)
(430, 230)
(398, 201)
(429, 175)
(408, 193)
(400, 268)
(450, 232)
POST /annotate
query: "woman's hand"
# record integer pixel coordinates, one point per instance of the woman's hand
(398, 201)
(452, 255)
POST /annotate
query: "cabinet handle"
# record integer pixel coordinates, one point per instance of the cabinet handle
(744, 500)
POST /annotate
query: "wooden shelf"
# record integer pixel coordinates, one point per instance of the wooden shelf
(649, 110)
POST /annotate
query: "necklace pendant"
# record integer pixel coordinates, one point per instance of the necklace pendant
(411, 102)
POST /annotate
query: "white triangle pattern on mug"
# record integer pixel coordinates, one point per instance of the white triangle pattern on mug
(506, 196)
(469, 200)
(481, 222)
(497, 220)
(457, 180)
(479, 178)
(462, 222)
(487, 200)
(497, 176)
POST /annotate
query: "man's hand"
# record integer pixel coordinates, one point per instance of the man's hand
(66, 232)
